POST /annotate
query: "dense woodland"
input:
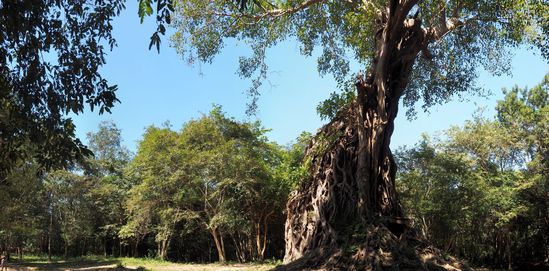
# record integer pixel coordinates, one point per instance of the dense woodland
(216, 189)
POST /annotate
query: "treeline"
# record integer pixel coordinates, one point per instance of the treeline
(481, 191)
(213, 191)
(216, 190)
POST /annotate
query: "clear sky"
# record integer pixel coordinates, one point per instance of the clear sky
(154, 88)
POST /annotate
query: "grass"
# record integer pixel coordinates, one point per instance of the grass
(98, 263)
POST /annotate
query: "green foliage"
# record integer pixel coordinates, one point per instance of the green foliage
(164, 8)
(71, 203)
(344, 31)
(293, 168)
(109, 153)
(108, 170)
(50, 56)
(329, 108)
(215, 175)
(482, 192)
(68, 209)
(21, 204)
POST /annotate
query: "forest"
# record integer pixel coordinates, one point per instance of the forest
(218, 190)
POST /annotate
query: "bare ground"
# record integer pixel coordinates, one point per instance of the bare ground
(106, 266)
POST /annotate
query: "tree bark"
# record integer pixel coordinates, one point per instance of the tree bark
(219, 245)
(258, 240)
(136, 248)
(348, 209)
(20, 251)
(50, 228)
(105, 246)
(165, 247)
(265, 232)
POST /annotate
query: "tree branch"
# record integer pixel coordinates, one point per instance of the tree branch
(273, 13)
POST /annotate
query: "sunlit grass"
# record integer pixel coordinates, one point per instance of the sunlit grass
(151, 264)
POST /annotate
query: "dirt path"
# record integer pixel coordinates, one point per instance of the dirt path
(90, 266)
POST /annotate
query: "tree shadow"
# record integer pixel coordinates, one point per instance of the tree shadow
(109, 265)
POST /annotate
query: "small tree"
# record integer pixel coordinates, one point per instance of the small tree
(72, 207)
(107, 168)
(151, 204)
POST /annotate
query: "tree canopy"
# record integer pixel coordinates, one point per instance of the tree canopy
(481, 193)
(216, 176)
(51, 53)
(458, 36)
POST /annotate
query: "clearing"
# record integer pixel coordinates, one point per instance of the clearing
(126, 264)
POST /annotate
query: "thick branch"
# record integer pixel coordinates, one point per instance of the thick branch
(445, 26)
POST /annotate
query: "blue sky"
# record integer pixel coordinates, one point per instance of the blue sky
(154, 88)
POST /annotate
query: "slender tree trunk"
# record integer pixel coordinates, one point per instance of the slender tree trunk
(258, 240)
(236, 248)
(261, 238)
(250, 247)
(83, 250)
(163, 248)
(509, 262)
(20, 251)
(240, 248)
(135, 252)
(159, 249)
(222, 246)
(49, 236)
(119, 247)
(546, 236)
(424, 228)
(219, 245)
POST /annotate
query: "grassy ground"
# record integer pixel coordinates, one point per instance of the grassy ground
(94, 263)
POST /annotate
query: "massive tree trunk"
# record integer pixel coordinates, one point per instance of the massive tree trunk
(346, 215)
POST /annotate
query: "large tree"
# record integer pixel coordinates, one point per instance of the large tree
(413, 50)
(51, 52)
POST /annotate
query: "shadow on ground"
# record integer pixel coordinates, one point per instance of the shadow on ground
(71, 266)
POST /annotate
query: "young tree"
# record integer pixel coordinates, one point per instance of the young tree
(227, 165)
(415, 50)
(22, 206)
(152, 205)
(107, 168)
(524, 113)
(72, 207)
